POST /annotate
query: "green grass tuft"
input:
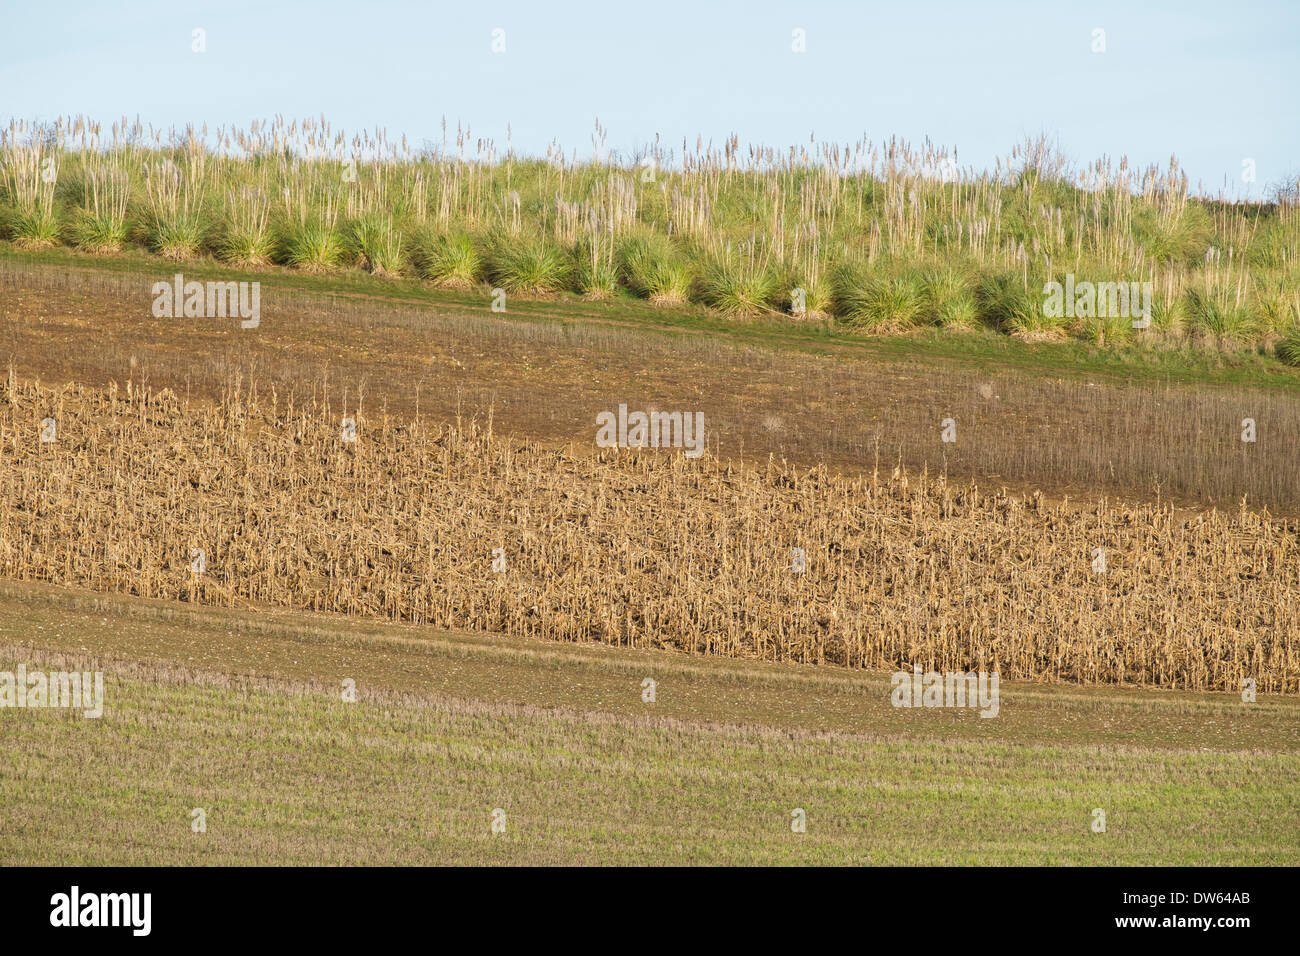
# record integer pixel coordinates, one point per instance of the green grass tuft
(736, 286)
(377, 245)
(881, 304)
(36, 229)
(529, 267)
(449, 261)
(313, 246)
(1288, 350)
(651, 267)
(1216, 315)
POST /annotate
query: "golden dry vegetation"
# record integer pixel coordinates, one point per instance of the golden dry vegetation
(641, 549)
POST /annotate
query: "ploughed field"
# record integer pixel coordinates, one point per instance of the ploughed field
(1025, 416)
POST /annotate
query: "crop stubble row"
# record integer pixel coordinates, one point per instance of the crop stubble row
(642, 548)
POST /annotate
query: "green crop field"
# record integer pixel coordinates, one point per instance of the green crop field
(242, 716)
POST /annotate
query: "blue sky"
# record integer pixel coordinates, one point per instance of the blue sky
(1213, 83)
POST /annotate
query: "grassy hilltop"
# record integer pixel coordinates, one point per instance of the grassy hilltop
(871, 237)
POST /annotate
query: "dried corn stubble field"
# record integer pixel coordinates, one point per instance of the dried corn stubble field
(637, 549)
